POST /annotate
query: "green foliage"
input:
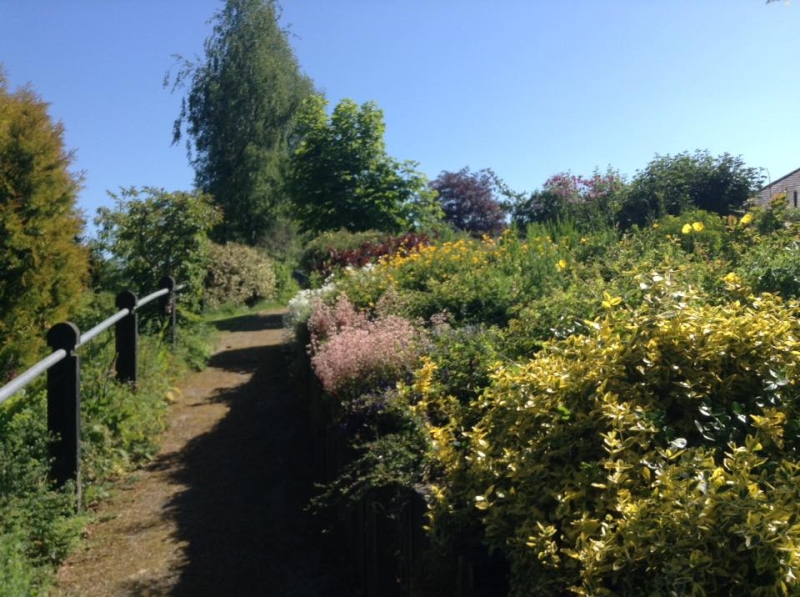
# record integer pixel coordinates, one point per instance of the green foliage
(238, 275)
(317, 252)
(474, 281)
(589, 203)
(151, 233)
(37, 524)
(240, 113)
(342, 177)
(283, 243)
(671, 184)
(332, 253)
(463, 357)
(121, 424)
(611, 414)
(773, 267)
(43, 268)
(703, 233)
(661, 440)
(120, 428)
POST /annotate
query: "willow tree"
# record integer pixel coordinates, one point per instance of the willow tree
(43, 267)
(239, 115)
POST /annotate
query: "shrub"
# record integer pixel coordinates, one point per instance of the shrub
(590, 202)
(151, 233)
(474, 281)
(238, 275)
(353, 354)
(705, 234)
(469, 201)
(671, 184)
(37, 526)
(655, 453)
(332, 252)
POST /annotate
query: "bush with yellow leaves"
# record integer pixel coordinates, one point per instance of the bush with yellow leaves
(655, 454)
(238, 275)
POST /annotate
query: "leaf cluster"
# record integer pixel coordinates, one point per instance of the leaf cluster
(151, 233)
(43, 267)
(238, 275)
(469, 202)
(342, 177)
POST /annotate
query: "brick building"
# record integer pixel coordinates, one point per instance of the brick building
(789, 184)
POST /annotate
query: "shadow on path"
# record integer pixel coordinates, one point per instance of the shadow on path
(250, 323)
(248, 481)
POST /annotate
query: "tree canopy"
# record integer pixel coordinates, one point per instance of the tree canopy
(670, 184)
(43, 267)
(342, 177)
(468, 201)
(239, 114)
(151, 233)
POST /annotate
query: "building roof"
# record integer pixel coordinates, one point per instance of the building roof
(766, 186)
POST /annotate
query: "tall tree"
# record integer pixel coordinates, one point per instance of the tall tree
(468, 201)
(239, 114)
(43, 267)
(342, 177)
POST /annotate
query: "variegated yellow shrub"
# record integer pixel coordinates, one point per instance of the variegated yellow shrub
(654, 455)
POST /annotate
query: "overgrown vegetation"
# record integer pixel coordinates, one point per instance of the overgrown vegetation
(611, 413)
(602, 395)
(39, 524)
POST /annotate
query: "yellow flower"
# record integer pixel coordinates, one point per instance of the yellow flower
(746, 219)
(732, 278)
(656, 224)
(562, 265)
(687, 229)
(698, 226)
(609, 302)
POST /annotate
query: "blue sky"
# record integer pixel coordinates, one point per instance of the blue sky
(528, 88)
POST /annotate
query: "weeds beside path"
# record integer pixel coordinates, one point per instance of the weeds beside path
(220, 510)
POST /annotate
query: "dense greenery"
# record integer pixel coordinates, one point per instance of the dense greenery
(610, 413)
(151, 233)
(40, 525)
(591, 202)
(668, 186)
(42, 265)
(342, 177)
(240, 113)
(671, 184)
(603, 396)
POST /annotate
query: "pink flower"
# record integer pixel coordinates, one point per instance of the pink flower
(352, 354)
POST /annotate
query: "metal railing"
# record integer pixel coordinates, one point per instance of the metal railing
(63, 372)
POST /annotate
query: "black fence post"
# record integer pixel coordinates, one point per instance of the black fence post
(167, 305)
(127, 338)
(64, 405)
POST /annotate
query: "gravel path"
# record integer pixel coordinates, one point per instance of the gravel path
(220, 510)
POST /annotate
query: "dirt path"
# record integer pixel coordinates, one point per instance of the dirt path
(220, 510)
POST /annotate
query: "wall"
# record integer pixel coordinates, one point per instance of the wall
(790, 184)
